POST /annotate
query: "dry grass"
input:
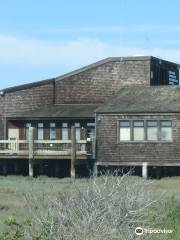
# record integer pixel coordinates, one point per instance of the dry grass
(13, 203)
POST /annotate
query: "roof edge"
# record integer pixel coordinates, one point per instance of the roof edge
(27, 85)
(82, 69)
(101, 62)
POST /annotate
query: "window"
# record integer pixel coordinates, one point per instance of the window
(166, 130)
(27, 126)
(78, 131)
(52, 131)
(125, 131)
(152, 130)
(90, 130)
(145, 130)
(138, 130)
(65, 131)
(40, 133)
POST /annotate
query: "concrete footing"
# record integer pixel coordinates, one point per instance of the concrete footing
(145, 170)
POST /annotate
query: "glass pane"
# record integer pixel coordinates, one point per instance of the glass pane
(77, 125)
(78, 134)
(138, 134)
(124, 123)
(91, 125)
(52, 125)
(90, 130)
(125, 134)
(28, 125)
(166, 134)
(27, 130)
(65, 125)
(40, 134)
(90, 133)
(138, 123)
(52, 131)
(40, 125)
(65, 134)
(152, 133)
(152, 123)
(166, 123)
(78, 131)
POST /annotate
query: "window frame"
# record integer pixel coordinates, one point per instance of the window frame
(64, 128)
(160, 133)
(77, 126)
(51, 129)
(144, 129)
(90, 129)
(40, 128)
(26, 130)
(130, 126)
(159, 140)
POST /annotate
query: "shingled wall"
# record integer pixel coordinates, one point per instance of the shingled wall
(92, 84)
(28, 99)
(110, 151)
(24, 99)
(97, 84)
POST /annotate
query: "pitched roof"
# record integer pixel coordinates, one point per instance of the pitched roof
(58, 111)
(142, 99)
(28, 85)
(96, 64)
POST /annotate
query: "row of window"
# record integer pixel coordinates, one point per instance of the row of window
(149, 130)
(64, 130)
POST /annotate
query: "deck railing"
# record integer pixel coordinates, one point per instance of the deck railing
(42, 147)
(49, 149)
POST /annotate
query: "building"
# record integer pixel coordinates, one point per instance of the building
(82, 99)
(140, 127)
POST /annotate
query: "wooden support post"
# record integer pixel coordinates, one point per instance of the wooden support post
(93, 148)
(31, 151)
(17, 146)
(73, 152)
(56, 170)
(95, 170)
(4, 169)
(145, 170)
(41, 169)
(16, 168)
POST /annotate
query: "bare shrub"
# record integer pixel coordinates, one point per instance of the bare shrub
(109, 207)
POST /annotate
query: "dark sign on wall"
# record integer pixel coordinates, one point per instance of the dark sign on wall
(164, 73)
(173, 77)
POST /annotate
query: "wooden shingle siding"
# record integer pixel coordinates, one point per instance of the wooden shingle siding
(110, 150)
(99, 83)
(23, 100)
(28, 99)
(2, 130)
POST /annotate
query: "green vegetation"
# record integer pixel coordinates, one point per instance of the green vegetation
(24, 202)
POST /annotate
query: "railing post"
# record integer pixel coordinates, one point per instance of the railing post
(93, 148)
(17, 145)
(73, 152)
(31, 151)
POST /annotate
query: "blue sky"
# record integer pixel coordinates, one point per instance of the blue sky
(46, 38)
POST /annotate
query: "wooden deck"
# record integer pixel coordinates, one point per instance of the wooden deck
(44, 149)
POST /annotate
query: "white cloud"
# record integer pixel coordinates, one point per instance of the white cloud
(72, 54)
